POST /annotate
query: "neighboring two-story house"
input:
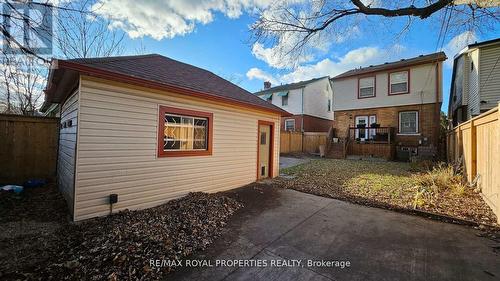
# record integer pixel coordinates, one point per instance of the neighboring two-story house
(475, 84)
(309, 101)
(402, 99)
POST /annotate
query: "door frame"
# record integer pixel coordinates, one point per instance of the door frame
(367, 118)
(271, 147)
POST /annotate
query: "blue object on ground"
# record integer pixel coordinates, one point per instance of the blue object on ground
(34, 183)
(16, 188)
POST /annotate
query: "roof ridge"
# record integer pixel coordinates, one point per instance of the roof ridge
(290, 84)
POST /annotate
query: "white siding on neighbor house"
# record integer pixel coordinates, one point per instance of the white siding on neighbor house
(118, 145)
(473, 68)
(67, 149)
(294, 101)
(489, 76)
(316, 97)
(422, 90)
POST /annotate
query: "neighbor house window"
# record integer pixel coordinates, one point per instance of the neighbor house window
(284, 100)
(366, 87)
(398, 82)
(184, 132)
(290, 125)
(408, 122)
(329, 105)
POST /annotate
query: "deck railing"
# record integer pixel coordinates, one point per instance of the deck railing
(371, 135)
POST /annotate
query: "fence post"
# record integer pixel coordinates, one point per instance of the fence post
(473, 149)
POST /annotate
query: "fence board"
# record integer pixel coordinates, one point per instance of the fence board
(28, 148)
(291, 142)
(478, 142)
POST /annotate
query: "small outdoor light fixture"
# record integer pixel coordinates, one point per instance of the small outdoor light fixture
(113, 199)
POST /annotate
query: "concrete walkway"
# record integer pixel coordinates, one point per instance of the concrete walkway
(286, 162)
(279, 224)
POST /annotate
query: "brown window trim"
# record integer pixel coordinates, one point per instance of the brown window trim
(181, 153)
(374, 86)
(418, 123)
(389, 82)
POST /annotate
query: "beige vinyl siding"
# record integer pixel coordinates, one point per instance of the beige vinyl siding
(473, 84)
(118, 145)
(489, 76)
(67, 149)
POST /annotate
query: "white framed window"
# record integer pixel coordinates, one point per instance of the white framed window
(366, 87)
(398, 82)
(284, 100)
(290, 125)
(408, 122)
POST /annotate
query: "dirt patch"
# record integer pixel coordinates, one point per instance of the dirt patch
(390, 185)
(47, 246)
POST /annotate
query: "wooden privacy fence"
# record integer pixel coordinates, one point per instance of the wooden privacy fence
(28, 148)
(477, 143)
(301, 142)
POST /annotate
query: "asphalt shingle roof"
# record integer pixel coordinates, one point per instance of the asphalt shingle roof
(163, 70)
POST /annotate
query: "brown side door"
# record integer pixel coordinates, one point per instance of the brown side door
(264, 164)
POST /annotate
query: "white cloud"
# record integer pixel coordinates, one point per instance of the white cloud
(282, 54)
(259, 74)
(456, 44)
(363, 56)
(168, 18)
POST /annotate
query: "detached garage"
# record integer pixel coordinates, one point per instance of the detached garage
(148, 129)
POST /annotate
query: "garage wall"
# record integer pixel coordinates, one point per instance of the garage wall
(67, 148)
(118, 142)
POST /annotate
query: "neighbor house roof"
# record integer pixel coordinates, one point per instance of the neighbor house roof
(288, 87)
(159, 72)
(471, 47)
(422, 59)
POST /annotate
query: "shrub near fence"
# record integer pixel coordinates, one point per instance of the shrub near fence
(28, 148)
(309, 142)
(477, 143)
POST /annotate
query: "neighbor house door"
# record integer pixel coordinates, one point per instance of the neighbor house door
(361, 133)
(265, 150)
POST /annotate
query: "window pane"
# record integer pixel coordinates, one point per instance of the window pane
(399, 88)
(366, 92)
(408, 122)
(185, 133)
(262, 138)
(399, 77)
(200, 135)
(367, 82)
(290, 125)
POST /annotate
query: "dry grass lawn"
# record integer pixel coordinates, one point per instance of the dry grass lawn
(390, 185)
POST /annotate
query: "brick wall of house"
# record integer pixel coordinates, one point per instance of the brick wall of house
(311, 123)
(428, 116)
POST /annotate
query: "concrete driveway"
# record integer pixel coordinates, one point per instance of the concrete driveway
(278, 224)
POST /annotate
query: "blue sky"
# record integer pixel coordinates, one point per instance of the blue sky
(218, 39)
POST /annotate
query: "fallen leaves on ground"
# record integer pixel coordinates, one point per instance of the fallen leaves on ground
(385, 184)
(120, 246)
